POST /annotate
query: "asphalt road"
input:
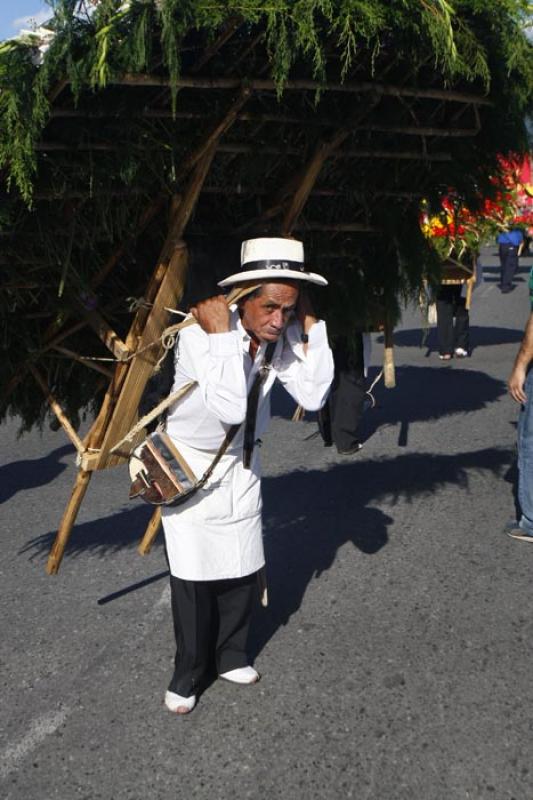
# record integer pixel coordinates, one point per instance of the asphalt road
(397, 649)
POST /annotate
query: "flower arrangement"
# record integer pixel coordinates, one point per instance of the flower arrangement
(456, 231)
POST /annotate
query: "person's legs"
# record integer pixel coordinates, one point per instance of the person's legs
(462, 323)
(324, 422)
(502, 255)
(445, 305)
(192, 604)
(525, 459)
(509, 262)
(348, 404)
(235, 600)
(348, 391)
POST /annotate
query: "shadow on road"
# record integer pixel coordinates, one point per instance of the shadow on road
(428, 393)
(29, 473)
(479, 337)
(311, 516)
(103, 537)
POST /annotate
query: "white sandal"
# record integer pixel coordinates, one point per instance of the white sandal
(243, 675)
(178, 704)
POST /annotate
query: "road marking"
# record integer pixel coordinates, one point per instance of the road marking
(164, 600)
(485, 290)
(39, 729)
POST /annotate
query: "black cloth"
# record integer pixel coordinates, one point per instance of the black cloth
(508, 264)
(339, 419)
(211, 624)
(450, 306)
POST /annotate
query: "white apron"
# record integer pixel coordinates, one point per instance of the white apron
(217, 534)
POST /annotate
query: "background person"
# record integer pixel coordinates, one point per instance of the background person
(510, 245)
(521, 389)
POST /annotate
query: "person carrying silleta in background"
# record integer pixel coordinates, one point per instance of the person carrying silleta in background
(453, 322)
(453, 316)
(214, 543)
(510, 245)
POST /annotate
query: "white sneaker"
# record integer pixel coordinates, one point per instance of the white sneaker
(243, 675)
(178, 704)
(460, 352)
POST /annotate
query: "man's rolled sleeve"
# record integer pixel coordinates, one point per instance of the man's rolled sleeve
(318, 337)
(307, 376)
(223, 382)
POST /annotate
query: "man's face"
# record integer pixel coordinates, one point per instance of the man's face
(266, 316)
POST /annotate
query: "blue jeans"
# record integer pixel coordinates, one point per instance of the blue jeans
(525, 458)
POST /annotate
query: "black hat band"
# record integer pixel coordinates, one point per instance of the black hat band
(278, 264)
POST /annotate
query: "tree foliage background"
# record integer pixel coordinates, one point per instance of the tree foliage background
(82, 156)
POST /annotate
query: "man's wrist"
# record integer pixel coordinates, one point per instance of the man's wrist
(308, 324)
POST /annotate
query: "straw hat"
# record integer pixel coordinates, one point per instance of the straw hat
(267, 259)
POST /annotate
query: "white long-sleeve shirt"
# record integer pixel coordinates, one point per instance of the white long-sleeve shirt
(218, 533)
(223, 369)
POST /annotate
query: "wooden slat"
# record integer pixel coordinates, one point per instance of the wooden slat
(216, 133)
(71, 512)
(174, 254)
(58, 411)
(375, 87)
(311, 173)
(87, 362)
(228, 29)
(107, 335)
(150, 534)
(142, 365)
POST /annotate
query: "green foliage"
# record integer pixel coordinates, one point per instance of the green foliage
(68, 209)
(120, 37)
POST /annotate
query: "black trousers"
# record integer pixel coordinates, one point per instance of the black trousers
(211, 624)
(508, 264)
(339, 419)
(451, 305)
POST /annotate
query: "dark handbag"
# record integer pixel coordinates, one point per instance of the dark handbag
(161, 476)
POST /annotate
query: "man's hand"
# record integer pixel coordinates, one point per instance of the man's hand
(516, 383)
(213, 314)
(523, 359)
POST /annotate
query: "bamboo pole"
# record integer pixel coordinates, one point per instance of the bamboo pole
(272, 150)
(71, 512)
(215, 134)
(301, 183)
(150, 535)
(278, 119)
(87, 362)
(469, 289)
(58, 411)
(122, 398)
(107, 335)
(349, 87)
(389, 372)
(231, 25)
(246, 52)
(322, 152)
